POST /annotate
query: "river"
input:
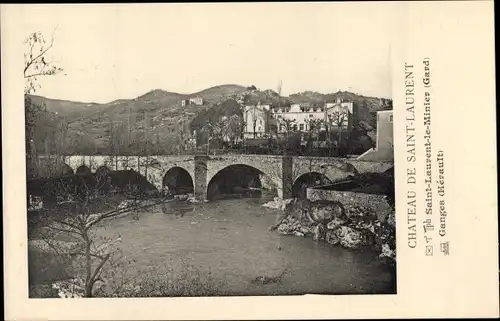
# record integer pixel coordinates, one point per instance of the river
(230, 237)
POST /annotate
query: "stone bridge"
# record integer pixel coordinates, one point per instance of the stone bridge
(276, 171)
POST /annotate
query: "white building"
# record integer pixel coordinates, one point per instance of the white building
(384, 148)
(256, 118)
(196, 101)
(192, 101)
(300, 116)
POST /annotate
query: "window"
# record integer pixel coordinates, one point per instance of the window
(390, 119)
(301, 126)
(311, 115)
(295, 127)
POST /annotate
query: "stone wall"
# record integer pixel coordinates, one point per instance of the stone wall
(335, 168)
(371, 202)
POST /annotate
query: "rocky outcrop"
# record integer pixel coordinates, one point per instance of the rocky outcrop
(391, 219)
(318, 232)
(352, 227)
(292, 226)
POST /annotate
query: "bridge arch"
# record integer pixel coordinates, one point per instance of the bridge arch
(178, 180)
(238, 179)
(83, 170)
(306, 180)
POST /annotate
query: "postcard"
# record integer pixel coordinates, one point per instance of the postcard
(218, 161)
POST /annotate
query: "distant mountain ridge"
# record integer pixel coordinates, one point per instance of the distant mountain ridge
(158, 116)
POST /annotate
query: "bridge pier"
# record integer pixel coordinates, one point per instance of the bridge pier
(286, 178)
(200, 178)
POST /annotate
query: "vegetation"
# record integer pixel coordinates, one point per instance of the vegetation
(36, 65)
(158, 120)
(76, 206)
(69, 258)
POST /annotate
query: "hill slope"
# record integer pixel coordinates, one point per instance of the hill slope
(157, 119)
(156, 116)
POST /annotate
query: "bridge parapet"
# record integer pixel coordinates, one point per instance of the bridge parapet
(281, 171)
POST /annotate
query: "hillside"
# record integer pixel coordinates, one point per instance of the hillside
(70, 109)
(158, 118)
(218, 93)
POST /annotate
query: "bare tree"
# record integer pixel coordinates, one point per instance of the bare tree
(86, 199)
(338, 119)
(288, 124)
(36, 64)
(231, 128)
(314, 127)
(254, 120)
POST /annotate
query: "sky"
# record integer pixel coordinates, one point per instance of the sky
(116, 51)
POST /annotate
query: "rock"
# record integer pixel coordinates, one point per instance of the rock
(318, 232)
(365, 225)
(391, 219)
(336, 222)
(297, 233)
(286, 226)
(387, 252)
(384, 234)
(360, 212)
(305, 230)
(349, 237)
(326, 212)
(332, 238)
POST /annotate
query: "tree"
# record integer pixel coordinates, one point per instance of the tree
(211, 131)
(314, 125)
(36, 64)
(232, 128)
(86, 205)
(288, 124)
(339, 119)
(254, 120)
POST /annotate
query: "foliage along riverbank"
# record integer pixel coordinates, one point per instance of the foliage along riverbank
(352, 227)
(55, 265)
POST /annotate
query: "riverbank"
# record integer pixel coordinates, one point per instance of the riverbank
(336, 224)
(227, 242)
